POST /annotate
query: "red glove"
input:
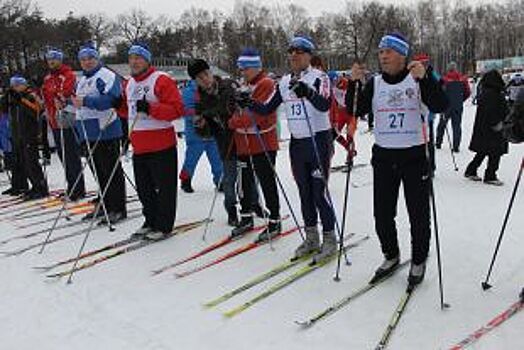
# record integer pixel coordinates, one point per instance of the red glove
(239, 122)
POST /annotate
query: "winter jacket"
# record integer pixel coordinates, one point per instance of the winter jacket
(101, 88)
(246, 139)
(217, 108)
(23, 109)
(59, 85)
(154, 131)
(457, 89)
(491, 112)
(191, 98)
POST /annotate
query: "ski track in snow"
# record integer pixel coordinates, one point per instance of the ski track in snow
(118, 305)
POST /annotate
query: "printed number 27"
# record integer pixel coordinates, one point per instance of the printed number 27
(396, 120)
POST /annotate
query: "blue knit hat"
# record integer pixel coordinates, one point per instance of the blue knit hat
(88, 50)
(140, 49)
(302, 42)
(17, 80)
(332, 75)
(54, 54)
(396, 42)
(249, 58)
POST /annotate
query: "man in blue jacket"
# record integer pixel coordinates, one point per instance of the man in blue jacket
(198, 141)
(97, 92)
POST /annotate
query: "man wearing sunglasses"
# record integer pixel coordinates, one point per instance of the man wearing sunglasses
(305, 93)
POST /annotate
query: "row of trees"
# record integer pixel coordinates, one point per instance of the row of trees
(447, 30)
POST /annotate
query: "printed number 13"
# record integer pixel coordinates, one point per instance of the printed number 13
(296, 109)
(396, 120)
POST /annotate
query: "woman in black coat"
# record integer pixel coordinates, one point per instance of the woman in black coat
(487, 139)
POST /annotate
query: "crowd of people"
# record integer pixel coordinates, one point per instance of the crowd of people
(235, 123)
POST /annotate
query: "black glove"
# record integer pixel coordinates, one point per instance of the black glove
(142, 106)
(245, 102)
(15, 96)
(301, 89)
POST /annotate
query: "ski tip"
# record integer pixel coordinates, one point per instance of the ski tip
(486, 286)
(445, 306)
(230, 314)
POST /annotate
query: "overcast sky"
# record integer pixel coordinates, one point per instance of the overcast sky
(173, 8)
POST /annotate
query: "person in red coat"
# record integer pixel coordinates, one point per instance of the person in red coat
(57, 90)
(256, 146)
(153, 102)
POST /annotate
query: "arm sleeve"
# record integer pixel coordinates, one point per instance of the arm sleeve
(364, 97)
(433, 94)
(68, 89)
(169, 106)
(109, 92)
(320, 98)
(270, 106)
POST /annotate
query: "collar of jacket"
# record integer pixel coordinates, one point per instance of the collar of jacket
(397, 78)
(61, 70)
(89, 74)
(261, 75)
(145, 75)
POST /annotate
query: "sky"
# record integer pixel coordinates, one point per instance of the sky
(172, 8)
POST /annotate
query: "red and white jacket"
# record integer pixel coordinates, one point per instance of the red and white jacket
(246, 139)
(58, 86)
(155, 131)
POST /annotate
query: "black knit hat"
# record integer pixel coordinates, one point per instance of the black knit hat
(196, 66)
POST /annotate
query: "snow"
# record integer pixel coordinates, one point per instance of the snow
(119, 305)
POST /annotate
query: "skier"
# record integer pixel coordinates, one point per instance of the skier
(514, 86)
(216, 106)
(57, 90)
(257, 153)
(457, 90)
(198, 141)
(487, 139)
(153, 102)
(340, 117)
(96, 93)
(23, 108)
(306, 95)
(398, 98)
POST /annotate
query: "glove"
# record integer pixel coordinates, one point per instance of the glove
(301, 89)
(142, 106)
(245, 102)
(239, 122)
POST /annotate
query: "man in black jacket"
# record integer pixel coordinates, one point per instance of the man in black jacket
(400, 98)
(216, 105)
(23, 109)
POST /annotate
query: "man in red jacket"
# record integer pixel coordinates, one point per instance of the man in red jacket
(457, 89)
(153, 101)
(251, 149)
(58, 87)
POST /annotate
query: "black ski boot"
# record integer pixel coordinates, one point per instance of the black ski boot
(272, 230)
(185, 185)
(416, 274)
(232, 218)
(114, 217)
(246, 224)
(386, 268)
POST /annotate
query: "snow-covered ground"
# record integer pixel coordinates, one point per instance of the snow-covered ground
(119, 305)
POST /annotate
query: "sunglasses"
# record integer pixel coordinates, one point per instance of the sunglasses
(294, 50)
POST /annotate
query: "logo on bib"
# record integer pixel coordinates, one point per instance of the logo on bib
(395, 98)
(410, 93)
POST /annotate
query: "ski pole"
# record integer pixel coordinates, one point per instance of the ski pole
(97, 208)
(443, 304)
(277, 177)
(485, 284)
(350, 156)
(451, 148)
